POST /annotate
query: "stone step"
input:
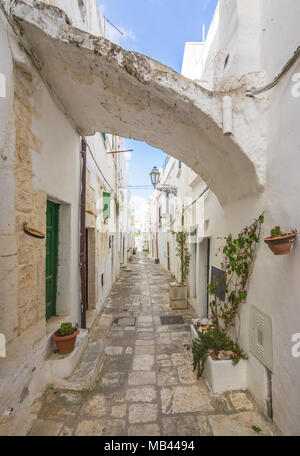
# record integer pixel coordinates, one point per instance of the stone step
(85, 374)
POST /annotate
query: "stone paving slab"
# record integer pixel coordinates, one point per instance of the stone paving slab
(146, 385)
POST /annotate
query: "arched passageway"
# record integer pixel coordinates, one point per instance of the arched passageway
(102, 87)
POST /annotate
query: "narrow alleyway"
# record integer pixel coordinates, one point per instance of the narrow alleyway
(146, 385)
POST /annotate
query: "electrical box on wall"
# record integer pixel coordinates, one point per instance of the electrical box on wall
(261, 344)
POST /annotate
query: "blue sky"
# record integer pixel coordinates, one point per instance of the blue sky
(158, 29)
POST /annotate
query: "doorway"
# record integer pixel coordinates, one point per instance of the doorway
(112, 257)
(202, 268)
(87, 268)
(91, 268)
(51, 257)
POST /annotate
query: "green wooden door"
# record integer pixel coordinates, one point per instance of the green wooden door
(51, 257)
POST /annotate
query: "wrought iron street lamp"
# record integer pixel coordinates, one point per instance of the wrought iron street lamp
(154, 175)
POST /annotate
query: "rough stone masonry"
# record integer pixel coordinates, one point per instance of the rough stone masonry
(147, 385)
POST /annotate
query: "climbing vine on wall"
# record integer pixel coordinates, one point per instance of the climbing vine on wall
(183, 253)
(239, 256)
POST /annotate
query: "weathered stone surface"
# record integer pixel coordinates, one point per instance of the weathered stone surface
(163, 360)
(180, 426)
(113, 350)
(186, 374)
(142, 413)
(45, 428)
(143, 362)
(144, 430)
(166, 400)
(119, 411)
(145, 319)
(144, 342)
(204, 426)
(129, 351)
(97, 405)
(185, 399)
(113, 379)
(179, 359)
(143, 394)
(144, 350)
(167, 376)
(66, 431)
(239, 424)
(100, 427)
(142, 378)
(240, 401)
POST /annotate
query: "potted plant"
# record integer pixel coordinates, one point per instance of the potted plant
(65, 337)
(146, 252)
(217, 354)
(178, 290)
(280, 243)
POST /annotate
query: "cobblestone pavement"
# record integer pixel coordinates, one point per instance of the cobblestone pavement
(146, 385)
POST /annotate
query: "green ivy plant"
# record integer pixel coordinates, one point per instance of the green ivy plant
(211, 342)
(238, 260)
(239, 256)
(183, 253)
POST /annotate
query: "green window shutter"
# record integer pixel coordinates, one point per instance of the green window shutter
(104, 137)
(106, 205)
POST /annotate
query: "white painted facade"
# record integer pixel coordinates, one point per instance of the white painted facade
(245, 40)
(253, 170)
(53, 173)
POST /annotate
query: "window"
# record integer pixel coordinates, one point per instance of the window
(104, 137)
(179, 164)
(106, 205)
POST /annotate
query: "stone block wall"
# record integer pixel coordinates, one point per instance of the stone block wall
(30, 207)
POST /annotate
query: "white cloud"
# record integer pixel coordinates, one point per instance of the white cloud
(204, 4)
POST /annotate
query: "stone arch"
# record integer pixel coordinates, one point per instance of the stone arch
(102, 87)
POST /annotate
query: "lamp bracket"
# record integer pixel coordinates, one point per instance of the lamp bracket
(169, 189)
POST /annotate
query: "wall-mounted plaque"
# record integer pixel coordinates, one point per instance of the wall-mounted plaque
(218, 278)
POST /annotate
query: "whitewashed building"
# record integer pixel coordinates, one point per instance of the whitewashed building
(247, 42)
(244, 148)
(68, 192)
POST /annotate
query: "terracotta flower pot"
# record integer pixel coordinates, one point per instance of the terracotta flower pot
(65, 344)
(281, 245)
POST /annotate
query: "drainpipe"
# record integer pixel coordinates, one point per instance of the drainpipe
(157, 227)
(269, 400)
(82, 237)
(227, 115)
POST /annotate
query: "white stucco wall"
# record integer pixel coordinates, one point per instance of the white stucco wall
(252, 35)
(55, 169)
(56, 172)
